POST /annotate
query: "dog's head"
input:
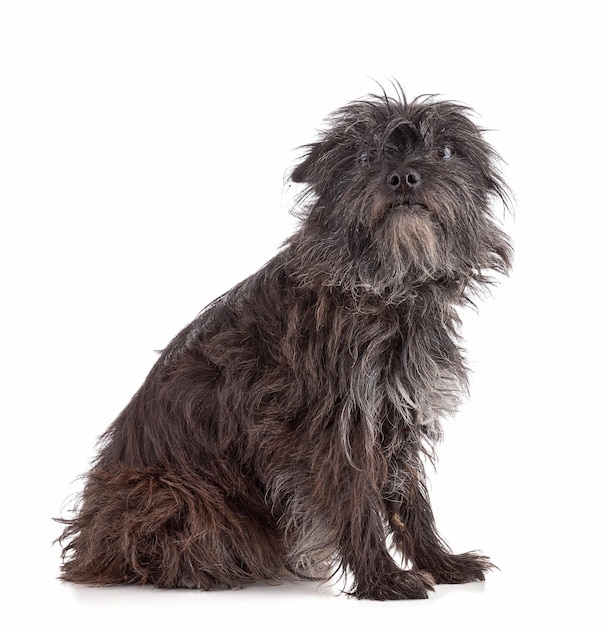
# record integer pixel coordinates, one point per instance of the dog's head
(399, 194)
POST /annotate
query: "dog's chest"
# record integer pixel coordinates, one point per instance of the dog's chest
(409, 381)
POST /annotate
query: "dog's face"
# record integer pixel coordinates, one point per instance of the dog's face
(403, 191)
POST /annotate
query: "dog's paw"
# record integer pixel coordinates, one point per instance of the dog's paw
(399, 585)
(460, 568)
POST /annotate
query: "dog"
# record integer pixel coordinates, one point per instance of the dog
(283, 433)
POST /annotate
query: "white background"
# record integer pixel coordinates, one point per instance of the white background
(143, 151)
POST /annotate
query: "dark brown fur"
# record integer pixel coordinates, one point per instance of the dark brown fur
(282, 433)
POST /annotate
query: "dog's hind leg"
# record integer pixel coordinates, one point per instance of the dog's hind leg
(169, 529)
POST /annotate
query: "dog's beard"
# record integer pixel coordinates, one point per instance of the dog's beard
(382, 249)
(408, 243)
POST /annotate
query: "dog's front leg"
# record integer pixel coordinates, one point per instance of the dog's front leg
(336, 513)
(416, 537)
(363, 550)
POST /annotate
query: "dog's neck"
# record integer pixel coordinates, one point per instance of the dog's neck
(372, 292)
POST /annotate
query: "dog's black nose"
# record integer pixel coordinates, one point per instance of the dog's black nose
(405, 180)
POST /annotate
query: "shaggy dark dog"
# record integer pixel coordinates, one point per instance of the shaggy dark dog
(282, 433)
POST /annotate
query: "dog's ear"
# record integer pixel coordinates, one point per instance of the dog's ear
(303, 172)
(314, 160)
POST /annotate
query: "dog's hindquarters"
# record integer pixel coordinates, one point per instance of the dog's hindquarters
(166, 503)
(168, 528)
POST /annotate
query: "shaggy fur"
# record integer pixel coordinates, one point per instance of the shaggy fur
(282, 433)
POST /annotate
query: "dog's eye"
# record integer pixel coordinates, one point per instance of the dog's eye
(446, 152)
(366, 156)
